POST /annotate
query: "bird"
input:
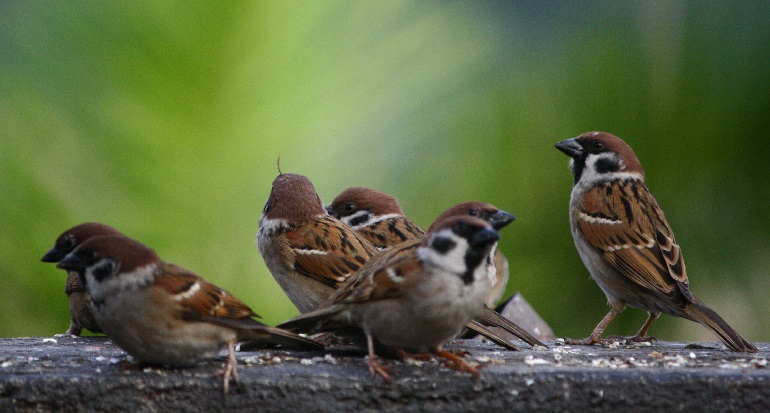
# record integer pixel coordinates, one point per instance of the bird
(308, 252)
(162, 314)
(415, 296)
(626, 242)
(81, 313)
(374, 215)
(379, 218)
(499, 219)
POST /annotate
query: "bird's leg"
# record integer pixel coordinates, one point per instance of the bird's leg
(596, 335)
(641, 335)
(456, 362)
(374, 366)
(74, 329)
(231, 365)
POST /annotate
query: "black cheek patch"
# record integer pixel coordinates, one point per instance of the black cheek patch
(360, 219)
(605, 165)
(104, 270)
(443, 245)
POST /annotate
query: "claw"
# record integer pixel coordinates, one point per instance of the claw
(456, 362)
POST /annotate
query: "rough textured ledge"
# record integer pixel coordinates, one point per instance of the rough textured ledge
(82, 374)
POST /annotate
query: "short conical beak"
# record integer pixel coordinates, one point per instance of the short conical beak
(570, 147)
(331, 212)
(71, 263)
(485, 237)
(501, 219)
(53, 255)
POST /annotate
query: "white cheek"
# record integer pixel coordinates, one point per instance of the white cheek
(453, 260)
(590, 176)
(116, 284)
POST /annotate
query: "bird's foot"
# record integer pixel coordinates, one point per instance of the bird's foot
(376, 368)
(456, 362)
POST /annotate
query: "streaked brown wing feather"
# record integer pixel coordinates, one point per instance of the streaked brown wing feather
(321, 252)
(392, 231)
(208, 301)
(634, 237)
(376, 281)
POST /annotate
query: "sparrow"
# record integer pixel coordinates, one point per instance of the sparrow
(379, 218)
(308, 252)
(81, 314)
(162, 314)
(626, 242)
(414, 296)
(374, 215)
(499, 219)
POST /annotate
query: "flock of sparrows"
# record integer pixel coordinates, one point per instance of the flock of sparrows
(360, 270)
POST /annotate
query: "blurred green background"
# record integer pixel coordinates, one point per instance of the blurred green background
(165, 120)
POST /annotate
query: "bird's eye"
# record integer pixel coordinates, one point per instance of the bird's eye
(349, 207)
(69, 242)
(473, 212)
(597, 146)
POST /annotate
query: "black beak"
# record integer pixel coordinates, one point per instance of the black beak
(484, 238)
(500, 219)
(53, 255)
(72, 262)
(331, 212)
(571, 147)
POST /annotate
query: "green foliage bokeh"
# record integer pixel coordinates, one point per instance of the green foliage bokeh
(165, 120)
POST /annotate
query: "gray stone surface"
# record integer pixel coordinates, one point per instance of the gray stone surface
(83, 374)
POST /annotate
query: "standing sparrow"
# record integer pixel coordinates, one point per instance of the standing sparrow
(81, 313)
(162, 314)
(415, 296)
(626, 242)
(374, 215)
(309, 253)
(378, 217)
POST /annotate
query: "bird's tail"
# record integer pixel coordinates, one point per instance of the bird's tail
(313, 321)
(710, 319)
(490, 317)
(265, 337)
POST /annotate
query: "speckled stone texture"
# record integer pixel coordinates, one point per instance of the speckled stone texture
(83, 374)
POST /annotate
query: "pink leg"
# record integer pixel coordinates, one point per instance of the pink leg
(374, 366)
(596, 335)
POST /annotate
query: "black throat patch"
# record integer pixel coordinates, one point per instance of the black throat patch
(472, 260)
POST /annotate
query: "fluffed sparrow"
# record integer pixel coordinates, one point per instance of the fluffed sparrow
(374, 215)
(81, 313)
(415, 296)
(626, 242)
(162, 314)
(309, 253)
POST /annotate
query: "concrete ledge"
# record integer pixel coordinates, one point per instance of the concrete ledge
(82, 374)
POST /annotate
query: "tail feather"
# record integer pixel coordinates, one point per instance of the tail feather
(310, 322)
(490, 317)
(254, 335)
(290, 340)
(710, 319)
(480, 329)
